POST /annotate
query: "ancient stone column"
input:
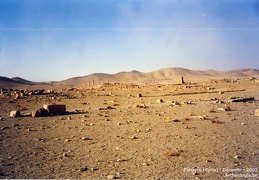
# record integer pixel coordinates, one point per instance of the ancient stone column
(181, 80)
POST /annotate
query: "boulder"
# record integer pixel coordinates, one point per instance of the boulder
(55, 109)
(139, 95)
(15, 113)
(243, 99)
(257, 112)
(40, 113)
(159, 101)
(38, 92)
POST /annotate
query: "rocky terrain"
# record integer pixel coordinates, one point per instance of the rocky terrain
(203, 130)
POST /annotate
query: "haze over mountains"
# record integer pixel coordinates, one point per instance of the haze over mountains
(166, 75)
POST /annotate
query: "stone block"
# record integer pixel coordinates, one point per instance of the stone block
(55, 109)
(15, 113)
(40, 113)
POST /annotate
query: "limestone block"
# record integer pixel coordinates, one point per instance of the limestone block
(40, 113)
(55, 109)
(15, 113)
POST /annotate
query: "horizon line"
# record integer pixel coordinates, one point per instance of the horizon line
(125, 29)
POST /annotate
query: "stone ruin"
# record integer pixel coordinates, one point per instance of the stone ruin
(181, 80)
(47, 110)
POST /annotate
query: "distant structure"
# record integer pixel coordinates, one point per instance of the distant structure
(181, 80)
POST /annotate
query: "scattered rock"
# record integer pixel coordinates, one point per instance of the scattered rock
(173, 153)
(40, 139)
(1, 118)
(55, 109)
(174, 103)
(242, 99)
(110, 108)
(134, 137)
(176, 120)
(3, 128)
(216, 121)
(17, 96)
(38, 92)
(86, 138)
(237, 157)
(140, 106)
(65, 155)
(228, 108)
(15, 113)
(83, 169)
(139, 95)
(159, 101)
(257, 112)
(111, 177)
(225, 109)
(94, 169)
(106, 108)
(40, 113)
(120, 160)
(145, 164)
(212, 110)
(195, 173)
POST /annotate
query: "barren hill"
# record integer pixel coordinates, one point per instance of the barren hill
(17, 82)
(166, 75)
(6, 82)
(22, 81)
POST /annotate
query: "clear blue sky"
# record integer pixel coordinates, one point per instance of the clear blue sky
(43, 40)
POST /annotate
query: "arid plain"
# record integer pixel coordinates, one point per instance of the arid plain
(133, 125)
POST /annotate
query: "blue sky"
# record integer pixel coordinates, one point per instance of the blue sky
(43, 40)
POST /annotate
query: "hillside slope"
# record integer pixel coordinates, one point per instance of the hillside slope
(166, 75)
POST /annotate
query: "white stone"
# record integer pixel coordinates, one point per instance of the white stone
(110, 177)
(15, 113)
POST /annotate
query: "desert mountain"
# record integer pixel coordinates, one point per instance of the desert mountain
(6, 82)
(22, 81)
(166, 75)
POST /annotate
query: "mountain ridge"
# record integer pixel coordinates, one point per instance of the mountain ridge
(164, 75)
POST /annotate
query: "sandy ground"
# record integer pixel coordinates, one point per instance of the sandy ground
(110, 132)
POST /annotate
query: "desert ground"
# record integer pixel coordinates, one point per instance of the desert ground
(206, 130)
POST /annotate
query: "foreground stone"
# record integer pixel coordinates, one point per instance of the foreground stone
(242, 99)
(40, 113)
(55, 109)
(15, 113)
